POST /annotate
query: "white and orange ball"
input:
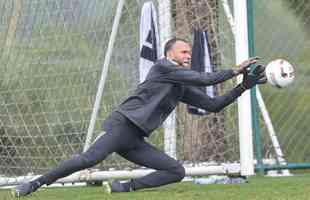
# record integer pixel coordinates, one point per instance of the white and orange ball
(280, 73)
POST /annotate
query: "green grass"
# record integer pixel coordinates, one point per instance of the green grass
(258, 188)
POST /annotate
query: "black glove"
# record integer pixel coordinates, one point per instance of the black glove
(245, 65)
(257, 76)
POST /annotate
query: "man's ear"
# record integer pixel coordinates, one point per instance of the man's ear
(169, 55)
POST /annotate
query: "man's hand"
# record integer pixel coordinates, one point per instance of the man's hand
(250, 79)
(245, 65)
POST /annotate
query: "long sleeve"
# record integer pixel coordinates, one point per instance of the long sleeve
(190, 77)
(164, 87)
(167, 72)
(195, 97)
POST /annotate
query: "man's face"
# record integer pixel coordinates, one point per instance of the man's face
(180, 53)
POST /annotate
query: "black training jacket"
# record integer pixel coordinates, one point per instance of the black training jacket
(167, 84)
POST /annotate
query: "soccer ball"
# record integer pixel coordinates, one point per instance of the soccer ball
(280, 73)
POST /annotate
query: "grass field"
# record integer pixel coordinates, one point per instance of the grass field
(258, 188)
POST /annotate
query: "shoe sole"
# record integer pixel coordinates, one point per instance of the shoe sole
(107, 187)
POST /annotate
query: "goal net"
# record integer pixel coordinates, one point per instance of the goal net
(51, 63)
(282, 31)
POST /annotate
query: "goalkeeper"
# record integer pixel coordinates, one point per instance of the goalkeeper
(169, 82)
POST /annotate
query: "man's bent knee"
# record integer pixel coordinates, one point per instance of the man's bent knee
(179, 171)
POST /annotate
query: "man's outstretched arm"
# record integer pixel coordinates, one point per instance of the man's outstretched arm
(196, 97)
(176, 74)
(190, 77)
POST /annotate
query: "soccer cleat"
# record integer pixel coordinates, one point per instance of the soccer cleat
(113, 187)
(25, 189)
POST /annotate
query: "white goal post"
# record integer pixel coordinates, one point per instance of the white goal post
(244, 101)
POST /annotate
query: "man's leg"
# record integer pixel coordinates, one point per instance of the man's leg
(99, 150)
(168, 169)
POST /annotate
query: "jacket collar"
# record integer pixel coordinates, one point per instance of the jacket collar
(166, 61)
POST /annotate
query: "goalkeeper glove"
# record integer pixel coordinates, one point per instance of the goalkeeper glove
(245, 65)
(257, 76)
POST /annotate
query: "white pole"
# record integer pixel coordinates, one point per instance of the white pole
(165, 34)
(229, 16)
(272, 134)
(104, 72)
(125, 174)
(261, 103)
(244, 102)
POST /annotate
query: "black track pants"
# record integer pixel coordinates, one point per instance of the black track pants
(126, 139)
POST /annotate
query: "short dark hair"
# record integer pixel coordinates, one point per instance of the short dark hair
(169, 44)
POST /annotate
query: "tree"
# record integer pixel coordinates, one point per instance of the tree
(17, 7)
(203, 136)
(301, 9)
